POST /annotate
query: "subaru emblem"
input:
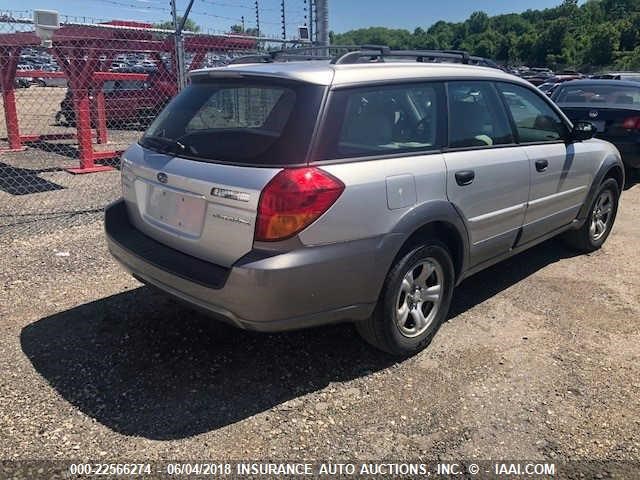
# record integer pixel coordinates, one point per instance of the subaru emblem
(593, 114)
(162, 177)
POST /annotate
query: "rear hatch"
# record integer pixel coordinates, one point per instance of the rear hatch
(611, 106)
(610, 121)
(194, 180)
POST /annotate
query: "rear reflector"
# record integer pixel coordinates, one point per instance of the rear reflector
(294, 199)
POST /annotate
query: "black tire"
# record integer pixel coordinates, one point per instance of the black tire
(584, 239)
(382, 329)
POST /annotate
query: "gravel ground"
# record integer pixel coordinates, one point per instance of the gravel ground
(539, 360)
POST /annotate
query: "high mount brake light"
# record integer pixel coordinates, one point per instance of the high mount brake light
(294, 199)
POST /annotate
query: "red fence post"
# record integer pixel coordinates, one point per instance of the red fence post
(101, 114)
(9, 62)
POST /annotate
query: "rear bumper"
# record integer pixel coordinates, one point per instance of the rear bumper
(262, 291)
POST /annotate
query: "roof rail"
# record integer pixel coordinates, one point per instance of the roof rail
(312, 52)
(350, 54)
(379, 52)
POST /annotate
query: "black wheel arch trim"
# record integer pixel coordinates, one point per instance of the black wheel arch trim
(609, 165)
(432, 213)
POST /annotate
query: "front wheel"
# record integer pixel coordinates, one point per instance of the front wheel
(602, 214)
(414, 301)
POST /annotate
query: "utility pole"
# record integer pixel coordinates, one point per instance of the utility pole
(311, 19)
(178, 40)
(257, 19)
(284, 21)
(322, 19)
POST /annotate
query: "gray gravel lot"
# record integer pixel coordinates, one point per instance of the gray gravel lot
(539, 360)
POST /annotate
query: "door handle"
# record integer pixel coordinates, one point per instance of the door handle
(465, 177)
(542, 165)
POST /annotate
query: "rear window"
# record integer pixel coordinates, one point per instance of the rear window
(598, 94)
(383, 120)
(248, 122)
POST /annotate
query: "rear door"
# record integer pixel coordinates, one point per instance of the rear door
(487, 172)
(560, 175)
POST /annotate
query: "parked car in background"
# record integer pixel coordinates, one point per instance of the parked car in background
(21, 82)
(612, 106)
(50, 82)
(551, 84)
(629, 76)
(287, 195)
(126, 101)
(25, 67)
(548, 88)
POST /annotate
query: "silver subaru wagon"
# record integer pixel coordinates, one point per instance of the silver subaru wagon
(282, 195)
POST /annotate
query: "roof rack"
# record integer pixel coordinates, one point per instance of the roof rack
(351, 54)
(313, 52)
(380, 52)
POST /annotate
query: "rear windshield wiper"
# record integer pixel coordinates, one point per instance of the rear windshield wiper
(166, 145)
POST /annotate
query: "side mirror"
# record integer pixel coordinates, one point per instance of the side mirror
(583, 131)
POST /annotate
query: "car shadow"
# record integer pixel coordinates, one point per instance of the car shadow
(493, 280)
(144, 365)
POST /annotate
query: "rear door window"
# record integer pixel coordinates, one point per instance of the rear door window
(383, 120)
(476, 116)
(247, 122)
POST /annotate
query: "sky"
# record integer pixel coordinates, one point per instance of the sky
(218, 15)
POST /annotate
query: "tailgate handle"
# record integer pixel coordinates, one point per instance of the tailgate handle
(465, 177)
(542, 165)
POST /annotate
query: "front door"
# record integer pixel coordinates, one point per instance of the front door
(560, 175)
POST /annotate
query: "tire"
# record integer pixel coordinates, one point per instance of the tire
(403, 323)
(604, 207)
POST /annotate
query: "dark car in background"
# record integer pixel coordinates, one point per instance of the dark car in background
(629, 76)
(126, 101)
(612, 106)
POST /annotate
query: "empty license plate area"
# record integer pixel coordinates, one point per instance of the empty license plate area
(181, 211)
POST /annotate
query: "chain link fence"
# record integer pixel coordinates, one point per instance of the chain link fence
(68, 112)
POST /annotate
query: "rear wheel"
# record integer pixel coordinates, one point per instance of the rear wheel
(602, 214)
(414, 301)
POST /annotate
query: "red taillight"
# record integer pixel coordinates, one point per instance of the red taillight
(631, 123)
(292, 200)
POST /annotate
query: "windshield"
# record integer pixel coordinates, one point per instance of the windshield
(599, 94)
(249, 122)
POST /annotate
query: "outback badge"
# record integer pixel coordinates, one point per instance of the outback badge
(230, 194)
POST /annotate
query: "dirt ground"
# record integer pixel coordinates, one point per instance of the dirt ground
(539, 360)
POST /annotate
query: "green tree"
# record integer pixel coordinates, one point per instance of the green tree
(477, 22)
(604, 41)
(189, 25)
(593, 34)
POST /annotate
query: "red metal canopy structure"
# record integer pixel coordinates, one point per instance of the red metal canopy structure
(85, 54)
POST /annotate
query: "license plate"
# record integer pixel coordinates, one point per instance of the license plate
(599, 124)
(181, 211)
